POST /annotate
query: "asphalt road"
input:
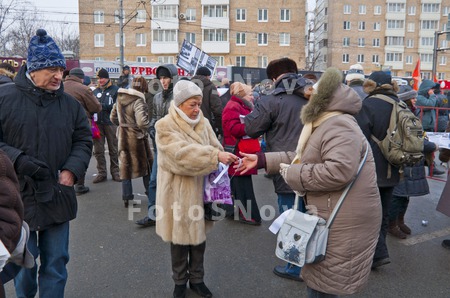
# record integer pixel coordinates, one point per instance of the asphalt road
(113, 257)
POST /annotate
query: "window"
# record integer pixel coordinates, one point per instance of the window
(377, 10)
(444, 43)
(324, 58)
(360, 58)
(361, 42)
(408, 74)
(141, 16)
(412, 10)
(375, 59)
(429, 25)
(410, 43)
(215, 11)
(165, 59)
(395, 41)
(430, 7)
(411, 27)
(394, 57)
(191, 15)
(346, 42)
(240, 39)
(441, 76)
(445, 10)
(263, 61)
(285, 39)
(376, 42)
(442, 60)
(141, 39)
(164, 11)
(117, 16)
(240, 61)
(426, 58)
(141, 59)
(285, 15)
(427, 41)
(362, 9)
(347, 9)
(346, 25)
(241, 14)
(99, 40)
(99, 17)
(396, 7)
(99, 59)
(263, 15)
(117, 39)
(361, 26)
(395, 24)
(345, 58)
(164, 35)
(215, 34)
(220, 60)
(376, 26)
(408, 59)
(425, 75)
(262, 39)
(190, 37)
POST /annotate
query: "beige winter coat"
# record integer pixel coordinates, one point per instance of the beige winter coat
(185, 156)
(130, 113)
(328, 164)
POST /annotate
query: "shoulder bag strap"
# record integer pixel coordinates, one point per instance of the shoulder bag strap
(344, 194)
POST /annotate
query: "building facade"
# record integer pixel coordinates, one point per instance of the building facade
(240, 33)
(381, 34)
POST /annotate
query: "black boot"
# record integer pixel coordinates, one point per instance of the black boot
(179, 291)
(200, 289)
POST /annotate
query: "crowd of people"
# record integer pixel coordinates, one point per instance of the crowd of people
(315, 133)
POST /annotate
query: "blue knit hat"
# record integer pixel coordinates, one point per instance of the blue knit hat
(43, 52)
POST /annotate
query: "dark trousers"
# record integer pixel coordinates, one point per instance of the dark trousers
(381, 251)
(187, 263)
(398, 207)
(107, 133)
(242, 191)
(317, 294)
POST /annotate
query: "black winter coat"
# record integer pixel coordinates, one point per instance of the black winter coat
(374, 118)
(107, 98)
(53, 128)
(277, 115)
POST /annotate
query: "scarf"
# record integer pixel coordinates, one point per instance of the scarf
(307, 131)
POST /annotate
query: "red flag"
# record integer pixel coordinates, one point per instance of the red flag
(416, 76)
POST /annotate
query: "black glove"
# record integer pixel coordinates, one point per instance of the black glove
(29, 166)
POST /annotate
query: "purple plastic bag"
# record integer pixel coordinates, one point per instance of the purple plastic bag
(217, 186)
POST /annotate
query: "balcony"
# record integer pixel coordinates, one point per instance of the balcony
(164, 47)
(213, 47)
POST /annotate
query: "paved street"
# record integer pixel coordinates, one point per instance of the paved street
(113, 257)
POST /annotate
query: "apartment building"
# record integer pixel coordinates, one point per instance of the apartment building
(240, 33)
(381, 34)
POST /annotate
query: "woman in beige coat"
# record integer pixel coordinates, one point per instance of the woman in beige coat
(330, 148)
(188, 150)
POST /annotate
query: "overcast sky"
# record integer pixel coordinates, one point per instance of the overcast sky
(58, 10)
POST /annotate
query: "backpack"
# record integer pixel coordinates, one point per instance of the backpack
(403, 144)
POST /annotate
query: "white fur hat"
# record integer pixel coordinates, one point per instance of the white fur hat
(356, 72)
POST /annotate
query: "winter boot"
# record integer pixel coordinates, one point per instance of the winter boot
(401, 224)
(395, 231)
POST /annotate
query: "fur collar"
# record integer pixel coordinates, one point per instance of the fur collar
(132, 92)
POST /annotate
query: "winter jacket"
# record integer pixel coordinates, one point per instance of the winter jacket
(130, 113)
(107, 96)
(211, 103)
(125, 81)
(329, 162)
(426, 100)
(11, 206)
(233, 129)
(161, 104)
(276, 115)
(374, 118)
(73, 85)
(53, 128)
(186, 155)
(5, 76)
(357, 85)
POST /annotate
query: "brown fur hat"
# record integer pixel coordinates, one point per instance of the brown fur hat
(379, 80)
(280, 66)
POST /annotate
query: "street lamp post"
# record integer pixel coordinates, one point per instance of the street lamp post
(121, 33)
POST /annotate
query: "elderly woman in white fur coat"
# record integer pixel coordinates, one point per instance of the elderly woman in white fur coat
(329, 151)
(188, 150)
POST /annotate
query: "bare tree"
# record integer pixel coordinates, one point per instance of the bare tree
(9, 10)
(66, 38)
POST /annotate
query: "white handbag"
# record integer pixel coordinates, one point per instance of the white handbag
(302, 238)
